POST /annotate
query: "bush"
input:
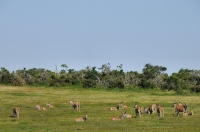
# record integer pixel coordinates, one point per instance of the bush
(195, 88)
(17, 81)
(116, 84)
(89, 83)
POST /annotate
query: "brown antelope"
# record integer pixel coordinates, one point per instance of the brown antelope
(81, 119)
(160, 111)
(114, 108)
(127, 115)
(191, 112)
(117, 118)
(138, 110)
(121, 105)
(16, 111)
(76, 105)
(178, 107)
(49, 105)
(151, 109)
(38, 107)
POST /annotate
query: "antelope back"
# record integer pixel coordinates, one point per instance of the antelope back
(50, 105)
(43, 108)
(81, 119)
(114, 108)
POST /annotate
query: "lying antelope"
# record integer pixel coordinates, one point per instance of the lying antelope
(180, 108)
(49, 105)
(138, 110)
(127, 115)
(76, 105)
(114, 108)
(191, 112)
(16, 111)
(151, 109)
(160, 111)
(81, 119)
(121, 105)
(38, 107)
(117, 118)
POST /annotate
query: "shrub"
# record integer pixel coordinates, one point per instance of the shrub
(195, 88)
(116, 84)
(17, 81)
(88, 83)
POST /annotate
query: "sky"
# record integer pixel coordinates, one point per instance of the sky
(81, 33)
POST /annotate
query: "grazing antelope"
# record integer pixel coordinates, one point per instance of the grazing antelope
(81, 119)
(138, 110)
(49, 105)
(178, 107)
(127, 115)
(76, 105)
(38, 107)
(160, 111)
(151, 109)
(114, 108)
(117, 118)
(121, 105)
(16, 111)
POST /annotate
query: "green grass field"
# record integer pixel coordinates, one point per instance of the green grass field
(95, 104)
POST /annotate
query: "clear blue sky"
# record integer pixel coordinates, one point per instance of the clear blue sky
(80, 33)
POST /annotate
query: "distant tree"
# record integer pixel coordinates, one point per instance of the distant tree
(151, 71)
(5, 76)
(154, 75)
(64, 66)
(105, 68)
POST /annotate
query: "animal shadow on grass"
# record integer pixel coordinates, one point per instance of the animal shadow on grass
(12, 116)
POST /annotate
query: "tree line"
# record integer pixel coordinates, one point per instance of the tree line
(152, 76)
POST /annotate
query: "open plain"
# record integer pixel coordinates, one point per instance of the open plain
(94, 104)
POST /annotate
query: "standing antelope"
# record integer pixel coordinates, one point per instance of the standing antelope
(160, 111)
(76, 105)
(117, 118)
(49, 105)
(16, 111)
(180, 108)
(138, 110)
(121, 105)
(114, 108)
(38, 107)
(127, 115)
(151, 109)
(81, 119)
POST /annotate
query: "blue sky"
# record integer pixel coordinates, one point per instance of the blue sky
(80, 33)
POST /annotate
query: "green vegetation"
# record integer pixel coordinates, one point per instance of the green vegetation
(152, 77)
(94, 103)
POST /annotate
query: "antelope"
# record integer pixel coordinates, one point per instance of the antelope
(160, 111)
(76, 105)
(117, 118)
(114, 108)
(191, 112)
(16, 111)
(178, 107)
(81, 119)
(49, 105)
(138, 110)
(38, 107)
(121, 105)
(127, 115)
(151, 109)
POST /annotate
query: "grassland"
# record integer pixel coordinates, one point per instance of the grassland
(95, 104)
